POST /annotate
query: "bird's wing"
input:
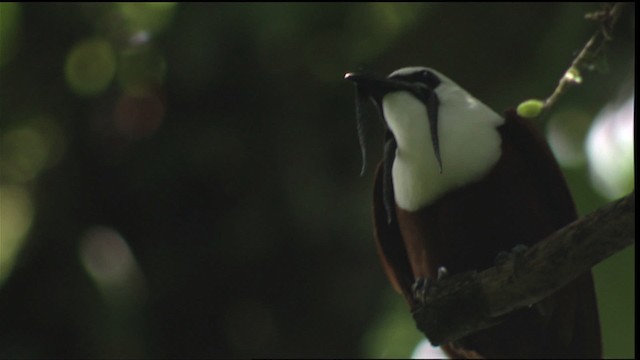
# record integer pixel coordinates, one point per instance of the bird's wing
(572, 312)
(533, 149)
(389, 242)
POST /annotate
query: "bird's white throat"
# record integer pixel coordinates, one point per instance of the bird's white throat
(470, 144)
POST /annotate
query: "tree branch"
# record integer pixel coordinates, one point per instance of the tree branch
(462, 304)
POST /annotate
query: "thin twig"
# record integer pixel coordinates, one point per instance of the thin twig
(607, 17)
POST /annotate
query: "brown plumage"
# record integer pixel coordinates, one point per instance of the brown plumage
(523, 199)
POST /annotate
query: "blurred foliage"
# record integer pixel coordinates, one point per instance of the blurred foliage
(181, 180)
(90, 67)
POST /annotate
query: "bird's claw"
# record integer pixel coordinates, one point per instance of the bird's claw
(515, 253)
(422, 286)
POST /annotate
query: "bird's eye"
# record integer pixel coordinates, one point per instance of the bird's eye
(429, 78)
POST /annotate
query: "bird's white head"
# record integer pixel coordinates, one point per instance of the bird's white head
(445, 137)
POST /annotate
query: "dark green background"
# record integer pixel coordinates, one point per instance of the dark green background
(237, 189)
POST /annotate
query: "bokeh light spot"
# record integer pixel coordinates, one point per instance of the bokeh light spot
(610, 150)
(138, 116)
(148, 16)
(16, 216)
(107, 258)
(425, 350)
(27, 150)
(90, 67)
(25, 154)
(10, 16)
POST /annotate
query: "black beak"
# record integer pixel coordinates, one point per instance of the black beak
(373, 87)
(376, 89)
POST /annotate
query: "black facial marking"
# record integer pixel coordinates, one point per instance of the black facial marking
(426, 77)
(421, 84)
(433, 104)
(390, 147)
(361, 125)
(426, 82)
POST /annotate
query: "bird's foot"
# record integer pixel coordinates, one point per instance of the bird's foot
(422, 286)
(516, 253)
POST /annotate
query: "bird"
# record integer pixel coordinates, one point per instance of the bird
(460, 184)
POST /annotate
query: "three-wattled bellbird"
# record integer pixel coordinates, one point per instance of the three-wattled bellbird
(459, 184)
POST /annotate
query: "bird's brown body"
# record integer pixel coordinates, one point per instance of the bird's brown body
(520, 201)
